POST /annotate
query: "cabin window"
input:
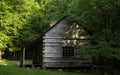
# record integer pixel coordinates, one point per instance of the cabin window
(68, 51)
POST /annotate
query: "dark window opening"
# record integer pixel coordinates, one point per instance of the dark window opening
(68, 51)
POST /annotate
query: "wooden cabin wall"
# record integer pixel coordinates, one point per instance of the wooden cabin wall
(53, 42)
(53, 45)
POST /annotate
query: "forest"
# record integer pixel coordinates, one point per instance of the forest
(22, 21)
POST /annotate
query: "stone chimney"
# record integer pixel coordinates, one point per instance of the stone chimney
(52, 23)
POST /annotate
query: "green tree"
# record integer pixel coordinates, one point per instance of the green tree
(100, 17)
(21, 21)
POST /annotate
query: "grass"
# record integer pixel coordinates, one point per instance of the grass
(28, 62)
(10, 68)
(6, 63)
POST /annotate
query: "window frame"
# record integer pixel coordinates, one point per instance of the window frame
(68, 51)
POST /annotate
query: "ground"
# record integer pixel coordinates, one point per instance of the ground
(8, 67)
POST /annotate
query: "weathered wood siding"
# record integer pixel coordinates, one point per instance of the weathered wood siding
(53, 41)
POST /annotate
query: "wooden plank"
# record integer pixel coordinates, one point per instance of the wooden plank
(53, 37)
(58, 30)
(52, 40)
(52, 55)
(52, 43)
(78, 58)
(53, 51)
(69, 59)
(53, 48)
(56, 33)
(71, 38)
(66, 64)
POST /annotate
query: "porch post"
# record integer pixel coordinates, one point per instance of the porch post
(23, 55)
(22, 58)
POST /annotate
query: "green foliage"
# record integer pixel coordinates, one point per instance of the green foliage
(21, 21)
(100, 17)
(101, 50)
(103, 21)
(3, 40)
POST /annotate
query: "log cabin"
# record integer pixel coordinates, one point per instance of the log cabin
(59, 46)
